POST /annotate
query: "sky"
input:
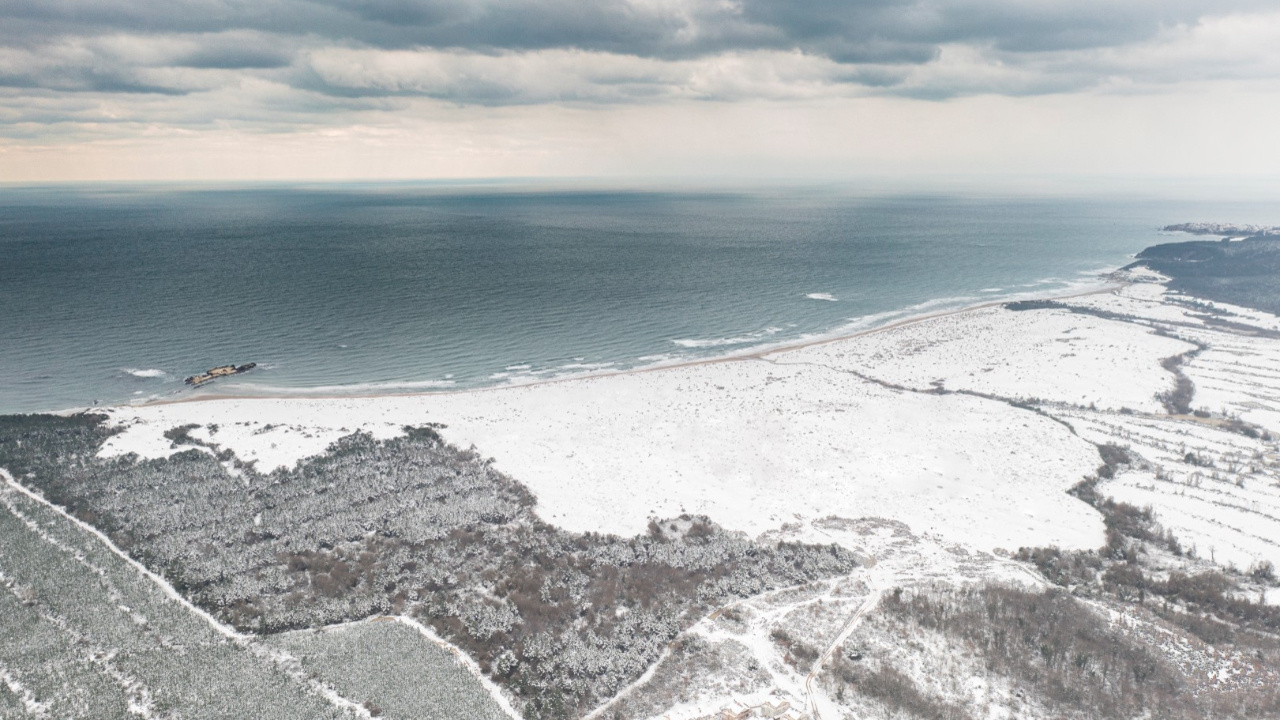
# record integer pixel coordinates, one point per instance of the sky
(369, 89)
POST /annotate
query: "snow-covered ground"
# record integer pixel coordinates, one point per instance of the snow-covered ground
(1240, 375)
(766, 652)
(1216, 490)
(752, 443)
(1048, 354)
(926, 447)
(1212, 481)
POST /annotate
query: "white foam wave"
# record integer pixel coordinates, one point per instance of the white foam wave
(867, 321)
(822, 296)
(1087, 282)
(763, 342)
(723, 342)
(586, 366)
(717, 342)
(145, 373)
(517, 367)
(522, 377)
(942, 303)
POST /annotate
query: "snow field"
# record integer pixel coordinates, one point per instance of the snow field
(1216, 488)
(1239, 375)
(1223, 503)
(752, 443)
(1052, 355)
(1143, 300)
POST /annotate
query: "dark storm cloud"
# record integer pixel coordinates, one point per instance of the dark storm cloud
(846, 30)
(841, 28)
(521, 25)
(87, 82)
(186, 46)
(234, 57)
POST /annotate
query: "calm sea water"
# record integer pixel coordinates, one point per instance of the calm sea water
(114, 293)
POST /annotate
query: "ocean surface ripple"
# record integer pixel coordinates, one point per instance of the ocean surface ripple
(115, 293)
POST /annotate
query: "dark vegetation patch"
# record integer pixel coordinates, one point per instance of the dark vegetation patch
(1072, 659)
(796, 652)
(891, 688)
(1242, 273)
(410, 525)
(1211, 597)
(1125, 523)
(1025, 305)
(1177, 401)
(181, 435)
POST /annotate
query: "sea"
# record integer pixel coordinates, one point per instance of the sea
(115, 293)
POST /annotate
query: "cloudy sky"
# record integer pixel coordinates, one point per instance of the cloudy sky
(260, 89)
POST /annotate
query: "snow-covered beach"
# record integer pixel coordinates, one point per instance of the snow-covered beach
(969, 426)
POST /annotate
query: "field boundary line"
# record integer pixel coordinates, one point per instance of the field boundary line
(286, 662)
(225, 630)
(494, 691)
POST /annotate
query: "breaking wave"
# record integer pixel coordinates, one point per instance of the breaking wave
(724, 342)
(145, 373)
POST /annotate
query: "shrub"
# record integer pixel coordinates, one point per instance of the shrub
(1263, 572)
(895, 691)
(1053, 644)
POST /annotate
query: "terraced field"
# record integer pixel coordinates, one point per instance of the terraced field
(394, 660)
(86, 633)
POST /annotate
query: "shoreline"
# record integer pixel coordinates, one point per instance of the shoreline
(755, 444)
(759, 353)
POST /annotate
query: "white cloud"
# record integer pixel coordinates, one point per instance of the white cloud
(577, 76)
(652, 86)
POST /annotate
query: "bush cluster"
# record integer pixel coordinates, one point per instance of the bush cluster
(1072, 659)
